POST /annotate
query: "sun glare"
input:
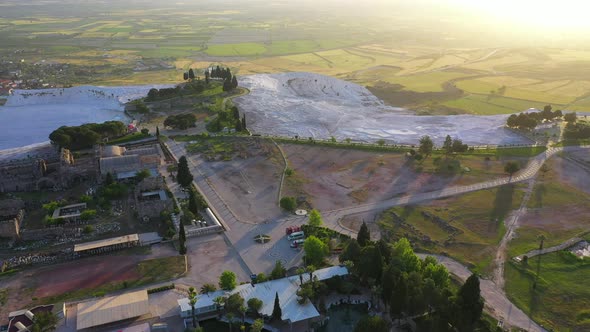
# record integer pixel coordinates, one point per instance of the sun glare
(562, 15)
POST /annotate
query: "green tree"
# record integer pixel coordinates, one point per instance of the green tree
(234, 82)
(244, 122)
(364, 236)
(426, 146)
(470, 303)
(208, 288)
(315, 250)
(277, 313)
(255, 304)
(570, 117)
(44, 322)
(458, 146)
(88, 214)
(371, 324)
(143, 174)
(192, 299)
(108, 180)
(448, 145)
(182, 240)
(193, 204)
(279, 271)
(184, 176)
(145, 131)
(227, 280)
(288, 203)
(351, 252)
(157, 131)
(511, 167)
(257, 325)
(191, 74)
(315, 218)
(184, 76)
(234, 303)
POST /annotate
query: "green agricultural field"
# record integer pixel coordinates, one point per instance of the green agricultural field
(242, 49)
(552, 289)
(428, 82)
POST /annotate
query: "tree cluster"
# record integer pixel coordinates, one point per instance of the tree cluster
(86, 135)
(411, 286)
(528, 121)
(164, 93)
(219, 72)
(454, 145)
(180, 121)
(575, 131)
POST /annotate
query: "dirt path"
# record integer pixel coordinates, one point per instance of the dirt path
(511, 225)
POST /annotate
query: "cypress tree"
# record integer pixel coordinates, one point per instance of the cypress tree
(191, 74)
(234, 82)
(184, 176)
(244, 122)
(364, 236)
(109, 179)
(277, 313)
(185, 76)
(157, 131)
(193, 205)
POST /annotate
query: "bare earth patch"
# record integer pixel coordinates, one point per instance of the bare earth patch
(249, 185)
(337, 178)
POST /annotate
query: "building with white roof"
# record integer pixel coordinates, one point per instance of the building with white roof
(286, 288)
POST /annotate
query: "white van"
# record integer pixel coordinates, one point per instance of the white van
(295, 236)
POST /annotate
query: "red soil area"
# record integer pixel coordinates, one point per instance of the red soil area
(85, 273)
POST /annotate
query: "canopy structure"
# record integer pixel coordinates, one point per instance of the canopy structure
(112, 309)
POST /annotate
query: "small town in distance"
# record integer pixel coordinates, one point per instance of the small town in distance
(294, 166)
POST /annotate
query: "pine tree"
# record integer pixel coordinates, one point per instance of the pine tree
(182, 239)
(234, 82)
(157, 131)
(364, 236)
(277, 313)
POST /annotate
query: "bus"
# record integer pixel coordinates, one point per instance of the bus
(295, 236)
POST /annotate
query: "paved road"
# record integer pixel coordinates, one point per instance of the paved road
(494, 297)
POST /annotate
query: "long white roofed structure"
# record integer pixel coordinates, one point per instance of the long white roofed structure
(286, 288)
(112, 309)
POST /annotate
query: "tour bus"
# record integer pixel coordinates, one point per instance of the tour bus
(295, 236)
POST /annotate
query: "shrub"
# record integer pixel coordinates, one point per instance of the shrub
(288, 203)
(160, 289)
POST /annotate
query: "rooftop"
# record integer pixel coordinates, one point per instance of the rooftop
(286, 288)
(112, 309)
(105, 242)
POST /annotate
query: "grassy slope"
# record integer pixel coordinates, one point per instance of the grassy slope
(561, 295)
(478, 215)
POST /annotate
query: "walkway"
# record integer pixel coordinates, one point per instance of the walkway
(537, 252)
